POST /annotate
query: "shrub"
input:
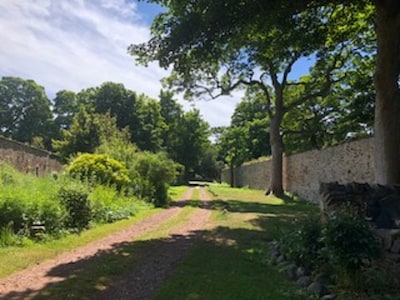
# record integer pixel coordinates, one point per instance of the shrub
(349, 243)
(119, 147)
(156, 172)
(12, 213)
(343, 245)
(8, 175)
(99, 168)
(8, 237)
(76, 202)
(50, 214)
(109, 206)
(303, 245)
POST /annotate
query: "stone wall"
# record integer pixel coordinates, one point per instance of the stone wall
(303, 172)
(28, 159)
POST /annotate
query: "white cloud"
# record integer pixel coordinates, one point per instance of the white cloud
(76, 44)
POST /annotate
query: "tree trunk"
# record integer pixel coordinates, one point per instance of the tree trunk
(276, 186)
(387, 105)
(232, 173)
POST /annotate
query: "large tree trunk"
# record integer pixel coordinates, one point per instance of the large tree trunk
(276, 186)
(387, 106)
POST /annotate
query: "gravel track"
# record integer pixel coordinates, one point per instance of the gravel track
(142, 279)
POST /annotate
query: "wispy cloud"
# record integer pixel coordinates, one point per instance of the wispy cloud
(75, 44)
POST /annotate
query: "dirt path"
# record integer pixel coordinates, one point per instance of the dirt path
(142, 279)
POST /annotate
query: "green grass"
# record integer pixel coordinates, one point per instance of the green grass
(230, 261)
(14, 259)
(163, 230)
(176, 192)
(98, 272)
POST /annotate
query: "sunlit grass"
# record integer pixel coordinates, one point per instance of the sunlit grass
(230, 261)
(104, 269)
(176, 192)
(14, 259)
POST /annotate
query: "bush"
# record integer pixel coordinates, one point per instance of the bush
(99, 168)
(8, 237)
(12, 214)
(349, 243)
(49, 214)
(304, 244)
(156, 172)
(121, 149)
(109, 206)
(8, 175)
(344, 245)
(28, 200)
(76, 202)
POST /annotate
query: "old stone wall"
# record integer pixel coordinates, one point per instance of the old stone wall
(303, 172)
(28, 159)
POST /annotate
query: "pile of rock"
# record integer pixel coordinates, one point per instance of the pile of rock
(311, 284)
(379, 203)
(390, 239)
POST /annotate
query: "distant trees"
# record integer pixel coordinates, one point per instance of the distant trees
(65, 106)
(185, 138)
(24, 110)
(105, 117)
(87, 121)
(151, 125)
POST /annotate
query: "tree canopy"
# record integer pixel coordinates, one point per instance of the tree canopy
(231, 46)
(24, 110)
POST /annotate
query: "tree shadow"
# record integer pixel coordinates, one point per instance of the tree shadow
(288, 206)
(128, 268)
(141, 267)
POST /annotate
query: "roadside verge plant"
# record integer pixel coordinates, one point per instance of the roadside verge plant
(99, 168)
(342, 246)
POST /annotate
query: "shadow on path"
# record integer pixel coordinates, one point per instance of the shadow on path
(129, 270)
(137, 269)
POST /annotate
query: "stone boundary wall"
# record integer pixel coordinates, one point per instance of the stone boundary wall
(28, 159)
(303, 172)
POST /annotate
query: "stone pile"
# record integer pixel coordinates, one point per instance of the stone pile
(313, 285)
(379, 203)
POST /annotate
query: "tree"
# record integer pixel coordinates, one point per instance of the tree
(140, 114)
(193, 142)
(172, 113)
(185, 139)
(232, 143)
(345, 114)
(387, 103)
(148, 135)
(202, 39)
(210, 168)
(251, 114)
(65, 106)
(118, 101)
(24, 110)
(88, 130)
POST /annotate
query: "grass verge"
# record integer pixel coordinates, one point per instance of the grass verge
(14, 259)
(96, 273)
(230, 262)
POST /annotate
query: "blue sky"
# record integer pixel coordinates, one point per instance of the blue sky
(76, 44)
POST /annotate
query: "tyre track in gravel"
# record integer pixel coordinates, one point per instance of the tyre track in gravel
(146, 277)
(29, 282)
